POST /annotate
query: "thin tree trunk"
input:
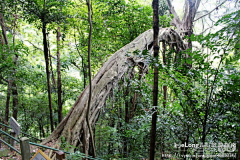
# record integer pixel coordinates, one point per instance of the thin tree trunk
(59, 82)
(110, 144)
(84, 66)
(155, 85)
(238, 156)
(84, 74)
(40, 129)
(164, 94)
(51, 67)
(90, 78)
(48, 74)
(5, 41)
(127, 116)
(165, 63)
(1, 40)
(6, 119)
(2, 23)
(14, 84)
(15, 100)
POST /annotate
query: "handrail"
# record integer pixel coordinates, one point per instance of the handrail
(5, 125)
(9, 136)
(54, 149)
(21, 132)
(43, 146)
(10, 146)
(82, 155)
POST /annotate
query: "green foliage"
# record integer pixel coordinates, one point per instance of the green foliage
(113, 131)
(203, 93)
(47, 11)
(201, 100)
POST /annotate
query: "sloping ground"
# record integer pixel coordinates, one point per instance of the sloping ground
(7, 154)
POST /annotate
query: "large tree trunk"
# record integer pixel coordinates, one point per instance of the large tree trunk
(74, 127)
(185, 25)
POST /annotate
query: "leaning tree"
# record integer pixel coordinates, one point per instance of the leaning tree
(73, 128)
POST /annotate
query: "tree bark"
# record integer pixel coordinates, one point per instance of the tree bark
(73, 127)
(14, 84)
(155, 85)
(3, 28)
(15, 100)
(51, 69)
(5, 41)
(45, 46)
(164, 94)
(59, 81)
(6, 119)
(90, 82)
(84, 73)
(127, 119)
(165, 63)
(185, 26)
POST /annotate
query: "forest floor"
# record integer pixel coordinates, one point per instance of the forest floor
(7, 154)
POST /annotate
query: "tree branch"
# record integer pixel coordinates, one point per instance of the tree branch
(210, 11)
(34, 45)
(75, 64)
(204, 31)
(176, 18)
(196, 7)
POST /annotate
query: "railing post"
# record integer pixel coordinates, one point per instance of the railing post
(12, 142)
(60, 155)
(25, 148)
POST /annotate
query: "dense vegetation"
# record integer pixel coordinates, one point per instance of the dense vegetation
(199, 104)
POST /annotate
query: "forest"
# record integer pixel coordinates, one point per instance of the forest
(123, 79)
